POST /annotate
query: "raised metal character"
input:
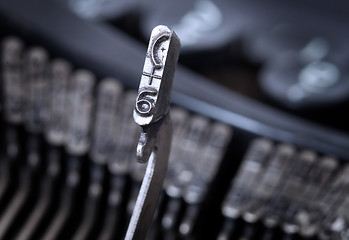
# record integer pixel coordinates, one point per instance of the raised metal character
(152, 114)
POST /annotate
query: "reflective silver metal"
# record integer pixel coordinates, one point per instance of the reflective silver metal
(37, 97)
(180, 119)
(12, 77)
(205, 170)
(269, 186)
(127, 134)
(209, 160)
(151, 113)
(80, 107)
(247, 179)
(105, 124)
(310, 215)
(294, 186)
(58, 119)
(187, 157)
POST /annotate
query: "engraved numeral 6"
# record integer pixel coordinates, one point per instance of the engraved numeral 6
(145, 102)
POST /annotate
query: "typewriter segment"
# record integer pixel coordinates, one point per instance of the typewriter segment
(76, 136)
(69, 166)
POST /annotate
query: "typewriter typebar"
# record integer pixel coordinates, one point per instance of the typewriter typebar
(151, 113)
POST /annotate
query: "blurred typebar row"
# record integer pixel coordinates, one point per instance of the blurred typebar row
(68, 165)
(68, 168)
(293, 194)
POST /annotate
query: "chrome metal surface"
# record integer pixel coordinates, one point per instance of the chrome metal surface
(152, 114)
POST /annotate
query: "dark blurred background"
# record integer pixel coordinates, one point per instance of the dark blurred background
(292, 55)
(272, 74)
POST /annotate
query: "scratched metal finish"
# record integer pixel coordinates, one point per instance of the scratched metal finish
(162, 54)
(154, 93)
(151, 113)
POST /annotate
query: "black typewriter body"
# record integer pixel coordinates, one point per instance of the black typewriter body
(273, 74)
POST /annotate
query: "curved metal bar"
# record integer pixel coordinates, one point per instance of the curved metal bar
(152, 114)
(152, 184)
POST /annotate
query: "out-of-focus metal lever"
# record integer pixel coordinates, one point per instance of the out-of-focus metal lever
(152, 114)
